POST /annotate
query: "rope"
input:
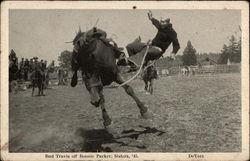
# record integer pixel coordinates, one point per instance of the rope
(132, 78)
(96, 22)
(149, 65)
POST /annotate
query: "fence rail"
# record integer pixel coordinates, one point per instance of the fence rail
(208, 69)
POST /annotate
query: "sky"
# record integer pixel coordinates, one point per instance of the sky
(43, 33)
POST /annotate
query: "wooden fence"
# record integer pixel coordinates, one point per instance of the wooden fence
(208, 69)
(163, 71)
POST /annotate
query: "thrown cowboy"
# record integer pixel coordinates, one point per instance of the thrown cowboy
(165, 35)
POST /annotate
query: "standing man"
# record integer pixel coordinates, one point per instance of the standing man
(165, 35)
(45, 64)
(20, 72)
(41, 65)
(31, 65)
(26, 69)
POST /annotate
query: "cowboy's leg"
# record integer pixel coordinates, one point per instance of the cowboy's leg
(153, 53)
(130, 50)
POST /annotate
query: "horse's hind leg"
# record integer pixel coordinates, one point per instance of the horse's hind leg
(106, 119)
(129, 90)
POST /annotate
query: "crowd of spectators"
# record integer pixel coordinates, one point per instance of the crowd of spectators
(26, 66)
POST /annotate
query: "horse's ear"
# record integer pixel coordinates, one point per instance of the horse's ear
(139, 38)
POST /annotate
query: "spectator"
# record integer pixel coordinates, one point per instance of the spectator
(31, 65)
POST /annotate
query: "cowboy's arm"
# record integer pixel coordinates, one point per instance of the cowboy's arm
(175, 42)
(156, 23)
(176, 45)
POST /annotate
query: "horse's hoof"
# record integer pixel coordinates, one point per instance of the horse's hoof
(144, 112)
(112, 130)
(146, 115)
(107, 123)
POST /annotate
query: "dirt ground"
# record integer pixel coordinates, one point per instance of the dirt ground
(200, 113)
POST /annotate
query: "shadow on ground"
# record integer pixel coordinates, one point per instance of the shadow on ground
(95, 139)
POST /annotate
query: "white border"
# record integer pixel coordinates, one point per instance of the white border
(243, 6)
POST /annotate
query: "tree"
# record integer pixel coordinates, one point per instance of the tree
(65, 59)
(231, 51)
(224, 55)
(189, 57)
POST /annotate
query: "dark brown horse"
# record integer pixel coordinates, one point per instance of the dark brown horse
(98, 64)
(148, 76)
(38, 80)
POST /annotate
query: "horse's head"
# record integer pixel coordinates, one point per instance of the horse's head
(84, 45)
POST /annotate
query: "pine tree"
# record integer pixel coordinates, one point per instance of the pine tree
(231, 52)
(189, 57)
(224, 55)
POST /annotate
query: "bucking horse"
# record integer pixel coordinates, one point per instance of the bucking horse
(98, 64)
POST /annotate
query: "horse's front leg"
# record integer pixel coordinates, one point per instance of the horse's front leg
(106, 119)
(129, 90)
